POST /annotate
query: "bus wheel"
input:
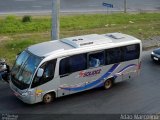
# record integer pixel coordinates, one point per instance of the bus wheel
(108, 84)
(48, 98)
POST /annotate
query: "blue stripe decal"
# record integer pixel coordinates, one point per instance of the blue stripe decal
(131, 65)
(95, 82)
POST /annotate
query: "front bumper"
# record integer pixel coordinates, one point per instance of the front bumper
(25, 98)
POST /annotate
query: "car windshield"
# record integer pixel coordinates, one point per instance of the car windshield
(24, 68)
(157, 51)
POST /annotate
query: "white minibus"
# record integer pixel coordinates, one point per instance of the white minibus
(48, 70)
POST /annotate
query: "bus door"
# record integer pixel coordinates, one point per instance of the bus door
(45, 83)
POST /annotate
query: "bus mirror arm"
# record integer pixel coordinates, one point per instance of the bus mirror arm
(40, 72)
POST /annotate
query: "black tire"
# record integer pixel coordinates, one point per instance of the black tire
(48, 98)
(108, 84)
(5, 77)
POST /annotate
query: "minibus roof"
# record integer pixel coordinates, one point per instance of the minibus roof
(93, 40)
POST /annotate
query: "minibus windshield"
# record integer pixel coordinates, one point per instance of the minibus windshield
(24, 68)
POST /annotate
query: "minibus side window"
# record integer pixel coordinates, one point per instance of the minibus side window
(64, 66)
(73, 64)
(131, 52)
(113, 55)
(96, 59)
(49, 70)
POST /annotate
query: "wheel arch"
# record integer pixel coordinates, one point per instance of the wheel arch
(53, 92)
(111, 77)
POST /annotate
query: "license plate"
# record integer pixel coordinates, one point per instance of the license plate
(155, 58)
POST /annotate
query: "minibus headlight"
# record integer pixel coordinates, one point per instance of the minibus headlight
(29, 93)
(25, 94)
(152, 53)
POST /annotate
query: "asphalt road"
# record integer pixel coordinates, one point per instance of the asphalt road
(138, 96)
(43, 6)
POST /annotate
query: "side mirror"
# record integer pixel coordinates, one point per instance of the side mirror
(40, 72)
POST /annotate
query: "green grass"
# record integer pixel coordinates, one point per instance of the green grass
(14, 44)
(140, 25)
(15, 25)
(99, 21)
(16, 35)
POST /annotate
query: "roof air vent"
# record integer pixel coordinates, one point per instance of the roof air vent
(74, 40)
(116, 35)
(80, 39)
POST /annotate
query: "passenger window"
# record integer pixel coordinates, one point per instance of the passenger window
(113, 55)
(49, 70)
(96, 59)
(131, 52)
(73, 64)
(64, 66)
